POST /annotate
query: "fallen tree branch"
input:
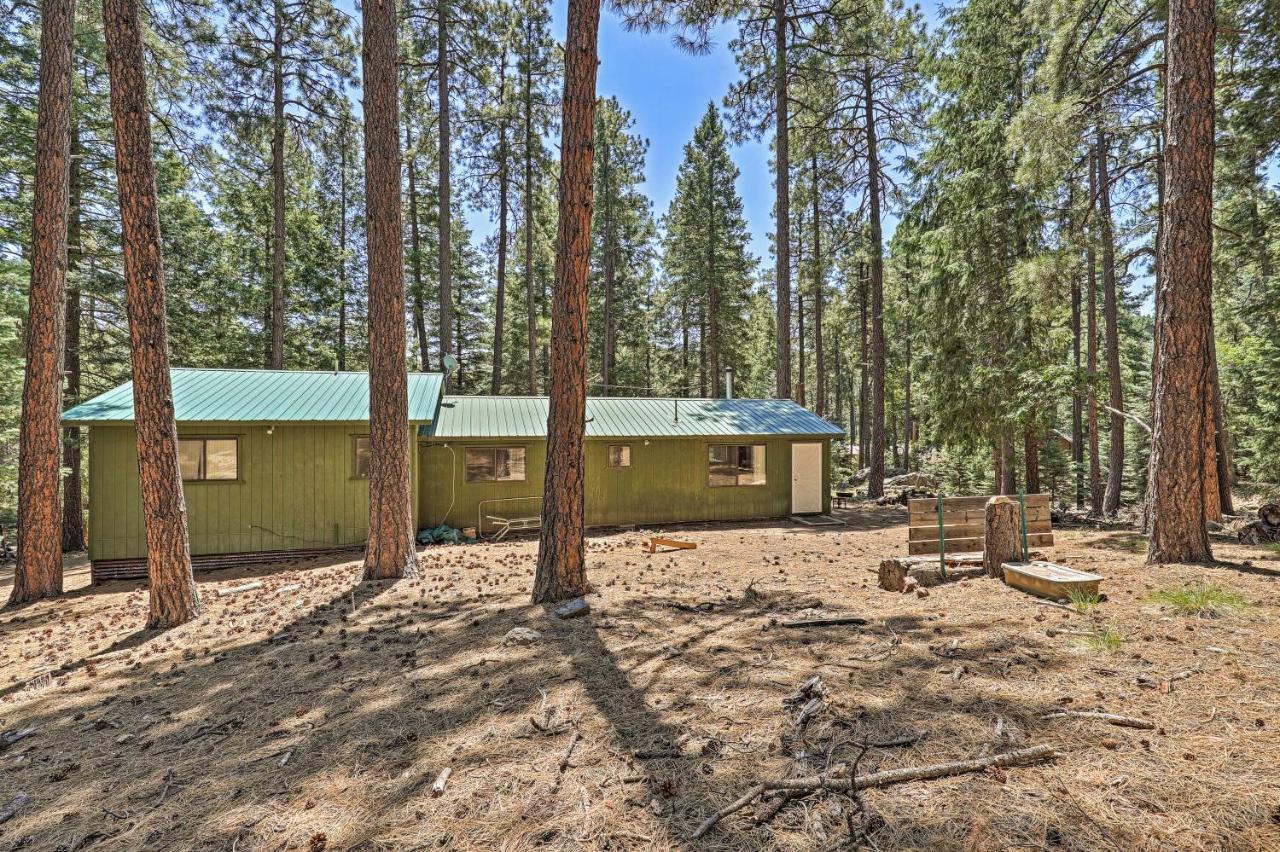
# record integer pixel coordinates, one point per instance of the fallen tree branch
(1020, 757)
(825, 622)
(1110, 718)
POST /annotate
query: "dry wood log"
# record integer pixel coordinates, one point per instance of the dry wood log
(1003, 543)
(227, 591)
(1020, 757)
(442, 781)
(1265, 530)
(825, 622)
(9, 738)
(1109, 718)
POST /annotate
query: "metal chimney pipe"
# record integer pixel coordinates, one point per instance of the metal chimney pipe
(728, 382)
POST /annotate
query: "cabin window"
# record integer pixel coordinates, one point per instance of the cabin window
(619, 455)
(735, 464)
(209, 459)
(495, 464)
(361, 445)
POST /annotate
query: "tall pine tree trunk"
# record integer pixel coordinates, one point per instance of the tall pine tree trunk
(561, 571)
(1077, 403)
(390, 552)
(1031, 460)
(415, 244)
(446, 224)
(713, 284)
(342, 250)
(174, 598)
(907, 424)
(864, 389)
(875, 480)
(72, 483)
(1095, 459)
(782, 205)
(1184, 331)
(276, 360)
(610, 266)
(1111, 315)
(39, 570)
(819, 357)
(504, 185)
(804, 367)
(531, 303)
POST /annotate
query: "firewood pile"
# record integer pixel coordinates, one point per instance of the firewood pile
(1265, 530)
(900, 498)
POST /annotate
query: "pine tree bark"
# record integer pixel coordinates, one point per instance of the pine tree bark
(276, 361)
(713, 284)
(561, 571)
(1111, 315)
(819, 357)
(864, 389)
(415, 243)
(1008, 464)
(1095, 458)
(907, 425)
(39, 569)
(610, 267)
(1077, 404)
(1001, 540)
(1184, 331)
(342, 249)
(504, 184)
(446, 200)
(390, 551)
(174, 597)
(782, 205)
(531, 304)
(1222, 440)
(802, 382)
(1031, 460)
(875, 480)
(72, 484)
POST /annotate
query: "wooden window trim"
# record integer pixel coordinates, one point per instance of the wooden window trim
(204, 456)
(608, 457)
(737, 483)
(355, 455)
(467, 480)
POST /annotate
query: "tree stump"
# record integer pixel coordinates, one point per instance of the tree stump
(1003, 541)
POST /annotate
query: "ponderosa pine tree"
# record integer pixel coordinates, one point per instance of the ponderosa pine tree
(622, 238)
(561, 571)
(38, 573)
(174, 597)
(1184, 324)
(705, 249)
(389, 553)
(281, 63)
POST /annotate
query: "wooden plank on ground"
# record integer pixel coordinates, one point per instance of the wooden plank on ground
(657, 541)
(951, 504)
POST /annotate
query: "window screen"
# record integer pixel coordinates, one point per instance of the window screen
(216, 459)
(735, 464)
(362, 455)
(495, 464)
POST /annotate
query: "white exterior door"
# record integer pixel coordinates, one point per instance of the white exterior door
(806, 479)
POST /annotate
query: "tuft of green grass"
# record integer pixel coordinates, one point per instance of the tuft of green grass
(1200, 599)
(1274, 548)
(1084, 601)
(1105, 640)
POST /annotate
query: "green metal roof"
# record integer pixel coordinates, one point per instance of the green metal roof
(263, 396)
(626, 417)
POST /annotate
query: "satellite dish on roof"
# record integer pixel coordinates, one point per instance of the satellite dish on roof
(450, 363)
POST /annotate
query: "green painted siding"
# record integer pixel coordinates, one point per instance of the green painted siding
(666, 482)
(297, 489)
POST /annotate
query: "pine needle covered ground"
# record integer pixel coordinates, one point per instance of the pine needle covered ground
(317, 713)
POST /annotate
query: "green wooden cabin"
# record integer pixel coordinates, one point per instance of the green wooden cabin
(274, 463)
